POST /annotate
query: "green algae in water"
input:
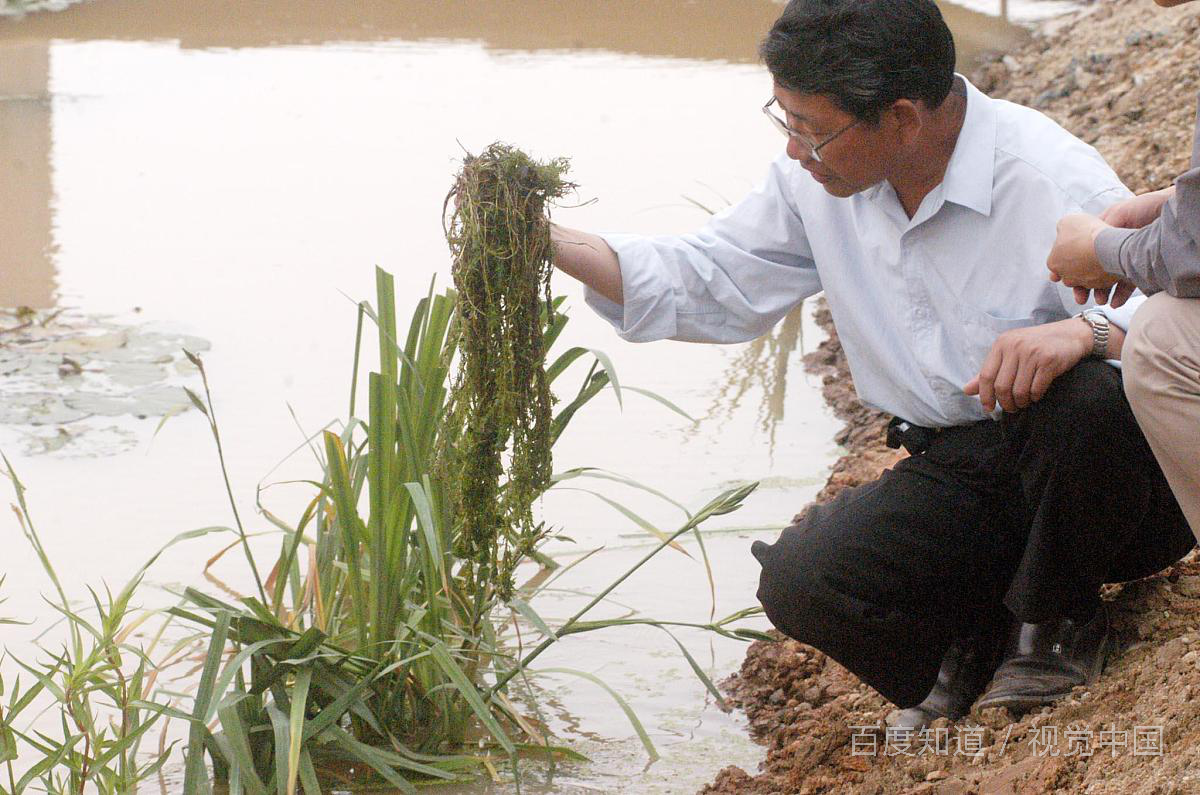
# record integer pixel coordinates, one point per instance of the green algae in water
(498, 461)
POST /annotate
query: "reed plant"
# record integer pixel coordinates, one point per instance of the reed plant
(102, 684)
(373, 652)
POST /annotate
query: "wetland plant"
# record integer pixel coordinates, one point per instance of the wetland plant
(379, 655)
(375, 650)
(101, 683)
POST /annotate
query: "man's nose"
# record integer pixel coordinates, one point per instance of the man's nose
(798, 150)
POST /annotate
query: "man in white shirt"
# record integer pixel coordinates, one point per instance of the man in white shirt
(924, 210)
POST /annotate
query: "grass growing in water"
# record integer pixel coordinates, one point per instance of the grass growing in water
(382, 652)
(372, 650)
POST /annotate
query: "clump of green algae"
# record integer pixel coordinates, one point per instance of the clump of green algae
(499, 235)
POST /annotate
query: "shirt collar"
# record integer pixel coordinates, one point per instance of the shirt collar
(968, 178)
(969, 174)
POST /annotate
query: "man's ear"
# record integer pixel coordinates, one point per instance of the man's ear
(907, 118)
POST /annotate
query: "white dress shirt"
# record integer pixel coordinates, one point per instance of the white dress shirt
(917, 302)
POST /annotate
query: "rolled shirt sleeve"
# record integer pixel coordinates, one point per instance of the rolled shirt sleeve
(1165, 255)
(729, 282)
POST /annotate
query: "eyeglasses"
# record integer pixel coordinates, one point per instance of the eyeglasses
(806, 141)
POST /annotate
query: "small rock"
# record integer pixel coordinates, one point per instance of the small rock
(937, 775)
(778, 697)
(995, 717)
(1131, 104)
(1012, 63)
(1170, 651)
(1189, 586)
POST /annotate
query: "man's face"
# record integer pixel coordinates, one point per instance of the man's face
(851, 162)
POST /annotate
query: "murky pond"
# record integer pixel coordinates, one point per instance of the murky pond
(223, 176)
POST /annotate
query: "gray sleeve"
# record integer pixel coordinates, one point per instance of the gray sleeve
(1166, 254)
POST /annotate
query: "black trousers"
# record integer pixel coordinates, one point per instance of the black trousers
(1033, 512)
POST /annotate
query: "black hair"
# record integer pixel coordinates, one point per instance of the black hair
(862, 54)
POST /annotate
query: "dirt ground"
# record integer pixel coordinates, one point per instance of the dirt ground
(1123, 75)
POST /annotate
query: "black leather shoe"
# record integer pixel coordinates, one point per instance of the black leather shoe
(968, 665)
(1044, 662)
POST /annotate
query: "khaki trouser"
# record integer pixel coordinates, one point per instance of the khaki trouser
(1161, 360)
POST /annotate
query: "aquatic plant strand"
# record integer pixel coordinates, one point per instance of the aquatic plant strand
(499, 235)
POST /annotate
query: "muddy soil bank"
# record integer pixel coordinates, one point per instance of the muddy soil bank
(1122, 75)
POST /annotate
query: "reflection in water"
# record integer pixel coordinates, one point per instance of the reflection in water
(761, 365)
(726, 30)
(26, 271)
(69, 379)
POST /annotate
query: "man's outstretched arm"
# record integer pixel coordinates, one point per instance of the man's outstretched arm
(589, 259)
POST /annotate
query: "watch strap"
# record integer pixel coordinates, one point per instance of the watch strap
(1099, 324)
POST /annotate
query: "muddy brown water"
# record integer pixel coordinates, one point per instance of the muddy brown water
(225, 174)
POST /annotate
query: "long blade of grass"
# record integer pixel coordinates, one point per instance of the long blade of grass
(468, 691)
(373, 759)
(616, 477)
(607, 364)
(308, 774)
(698, 671)
(216, 433)
(727, 501)
(651, 751)
(296, 725)
(238, 736)
(564, 360)
(233, 667)
(660, 399)
(633, 517)
(279, 727)
(529, 614)
(195, 778)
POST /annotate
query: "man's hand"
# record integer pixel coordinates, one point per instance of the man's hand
(1024, 362)
(1073, 261)
(1138, 211)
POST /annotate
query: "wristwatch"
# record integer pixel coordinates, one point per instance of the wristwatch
(1099, 323)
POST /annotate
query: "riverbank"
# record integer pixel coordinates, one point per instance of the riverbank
(1121, 75)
